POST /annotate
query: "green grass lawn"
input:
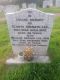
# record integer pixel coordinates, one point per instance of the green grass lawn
(31, 71)
(51, 10)
(54, 47)
(5, 47)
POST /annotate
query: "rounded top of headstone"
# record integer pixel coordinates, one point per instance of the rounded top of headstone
(30, 9)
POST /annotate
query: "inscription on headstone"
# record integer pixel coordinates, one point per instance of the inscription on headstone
(30, 28)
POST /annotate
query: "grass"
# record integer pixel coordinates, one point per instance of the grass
(51, 10)
(5, 47)
(30, 71)
(54, 47)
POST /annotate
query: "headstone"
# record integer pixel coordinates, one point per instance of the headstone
(11, 8)
(47, 3)
(1, 8)
(30, 28)
(24, 6)
(32, 5)
(57, 3)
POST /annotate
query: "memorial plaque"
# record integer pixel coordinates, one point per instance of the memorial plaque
(30, 28)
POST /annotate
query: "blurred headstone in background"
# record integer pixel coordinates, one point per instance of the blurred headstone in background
(47, 3)
(11, 8)
(32, 5)
(57, 3)
(24, 6)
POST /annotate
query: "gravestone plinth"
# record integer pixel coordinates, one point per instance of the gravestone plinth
(30, 28)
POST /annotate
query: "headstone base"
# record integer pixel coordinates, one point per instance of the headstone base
(20, 60)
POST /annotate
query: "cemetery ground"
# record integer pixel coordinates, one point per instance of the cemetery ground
(36, 71)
